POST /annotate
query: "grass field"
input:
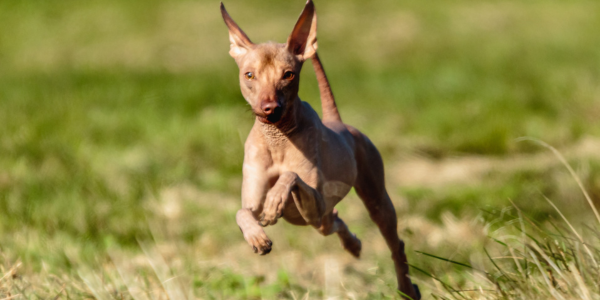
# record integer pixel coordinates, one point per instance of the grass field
(122, 130)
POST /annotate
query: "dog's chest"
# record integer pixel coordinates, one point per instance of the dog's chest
(309, 169)
(304, 157)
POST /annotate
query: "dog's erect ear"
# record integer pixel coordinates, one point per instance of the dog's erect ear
(303, 40)
(240, 43)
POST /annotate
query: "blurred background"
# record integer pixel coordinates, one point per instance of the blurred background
(122, 130)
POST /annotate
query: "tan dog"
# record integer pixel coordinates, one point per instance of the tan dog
(297, 166)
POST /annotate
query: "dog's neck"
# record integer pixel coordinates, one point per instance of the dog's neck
(279, 133)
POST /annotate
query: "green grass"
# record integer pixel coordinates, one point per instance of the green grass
(523, 259)
(122, 123)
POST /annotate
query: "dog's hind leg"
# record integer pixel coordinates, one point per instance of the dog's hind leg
(370, 187)
(331, 223)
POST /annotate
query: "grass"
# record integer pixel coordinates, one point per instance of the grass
(533, 260)
(123, 125)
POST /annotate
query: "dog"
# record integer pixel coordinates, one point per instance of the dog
(298, 166)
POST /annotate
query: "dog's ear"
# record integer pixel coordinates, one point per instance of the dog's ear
(240, 43)
(303, 40)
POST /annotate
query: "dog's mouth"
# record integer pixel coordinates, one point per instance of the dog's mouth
(271, 118)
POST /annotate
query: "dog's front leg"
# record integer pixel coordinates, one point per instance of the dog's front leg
(247, 217)
(253, 233)
(255, 185)
(309, 201)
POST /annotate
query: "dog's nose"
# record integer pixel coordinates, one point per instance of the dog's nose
(269, 107)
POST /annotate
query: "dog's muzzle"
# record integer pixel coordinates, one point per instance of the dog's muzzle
(271, 112)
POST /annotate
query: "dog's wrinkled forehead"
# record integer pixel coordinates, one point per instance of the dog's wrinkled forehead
(269, 56)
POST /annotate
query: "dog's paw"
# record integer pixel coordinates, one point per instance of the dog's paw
(412, 292)
(352, 245)
(258, 241)
(417, 292)
(275, 202)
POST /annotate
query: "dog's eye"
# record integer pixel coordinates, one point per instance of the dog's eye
(249, 75)
(289, 75)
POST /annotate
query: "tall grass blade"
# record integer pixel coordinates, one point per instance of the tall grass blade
(93, 282)
(496, 265)
(446, 286)
(573, 174)
(548, 260)
(169, 282)
(574, 231)
(450, 261)
(135, 290)
(581, 284)
(546, 279)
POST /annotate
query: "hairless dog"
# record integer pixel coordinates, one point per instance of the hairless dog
(298, 166)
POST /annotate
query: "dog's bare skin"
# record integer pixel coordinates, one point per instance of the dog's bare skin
(296, 165)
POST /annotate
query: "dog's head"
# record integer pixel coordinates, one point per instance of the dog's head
(270, 72)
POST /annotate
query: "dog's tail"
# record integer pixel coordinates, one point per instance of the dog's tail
(330, 111)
